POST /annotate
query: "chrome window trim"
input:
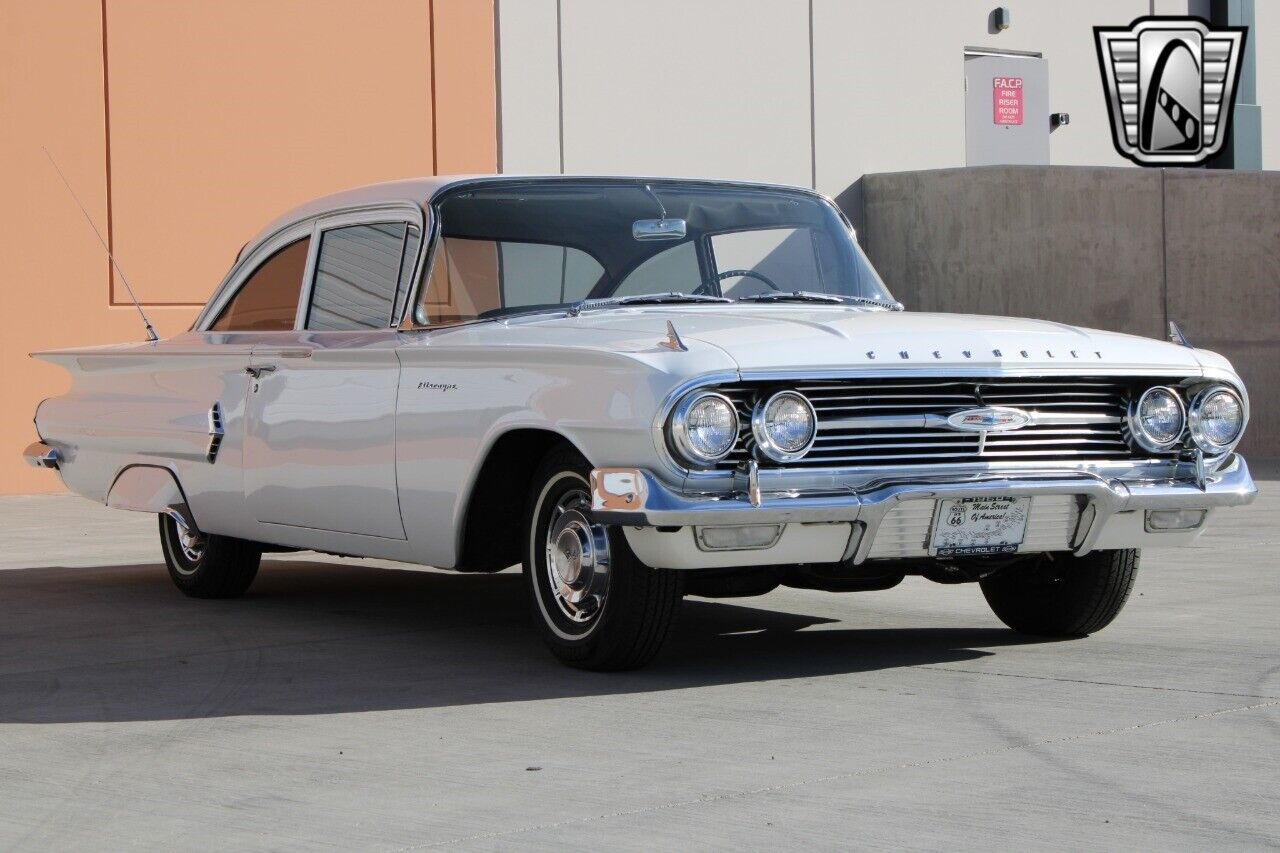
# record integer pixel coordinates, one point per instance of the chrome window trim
(252, 257)
(427, 253)
(308, 279)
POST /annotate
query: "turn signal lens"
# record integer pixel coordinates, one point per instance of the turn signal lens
(1174, 519)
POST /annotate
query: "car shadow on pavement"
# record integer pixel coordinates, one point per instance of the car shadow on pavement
(119, 643)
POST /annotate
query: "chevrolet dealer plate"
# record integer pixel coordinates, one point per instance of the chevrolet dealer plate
(992, 525)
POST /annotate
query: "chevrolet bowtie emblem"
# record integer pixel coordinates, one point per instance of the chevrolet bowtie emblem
(1170, 84)
(988, 419)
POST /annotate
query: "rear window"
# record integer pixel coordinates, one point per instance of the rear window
(268, 300)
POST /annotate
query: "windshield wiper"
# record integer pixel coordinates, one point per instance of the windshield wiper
(674, 296)
(644, 299)
(813, 296)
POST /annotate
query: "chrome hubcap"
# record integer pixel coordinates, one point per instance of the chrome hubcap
(577, 558)
(191, 542)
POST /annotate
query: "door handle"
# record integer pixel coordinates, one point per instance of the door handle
(256, 372)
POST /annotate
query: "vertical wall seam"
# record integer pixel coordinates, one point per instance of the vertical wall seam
(1164, 253)
(497, 84)
(106, 126)
(435, 115)
(813, 114)
(560, 82)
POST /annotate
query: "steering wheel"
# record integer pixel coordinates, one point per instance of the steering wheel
(705, 288)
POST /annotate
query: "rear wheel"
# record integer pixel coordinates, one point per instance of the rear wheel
(595, 604)
(1061, 595)
(206, 565)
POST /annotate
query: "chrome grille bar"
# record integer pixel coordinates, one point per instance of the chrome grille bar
(868, 423)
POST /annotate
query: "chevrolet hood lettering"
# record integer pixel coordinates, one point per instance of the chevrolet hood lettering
(989, 419)
(802, 338)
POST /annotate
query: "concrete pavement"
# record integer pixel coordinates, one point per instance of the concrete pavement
(347, 705)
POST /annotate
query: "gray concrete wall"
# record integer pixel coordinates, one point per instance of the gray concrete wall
(1119, 249)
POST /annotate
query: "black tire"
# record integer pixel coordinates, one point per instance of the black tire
(1064, 596)
(224, 568)
(639, 606)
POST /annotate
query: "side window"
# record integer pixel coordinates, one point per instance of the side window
(358, 272)
(268, 300)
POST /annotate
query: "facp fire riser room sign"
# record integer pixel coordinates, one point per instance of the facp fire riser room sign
(1006, 100)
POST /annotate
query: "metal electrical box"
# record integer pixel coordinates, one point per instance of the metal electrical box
(1006, 109)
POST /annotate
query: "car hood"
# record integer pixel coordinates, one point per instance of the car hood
(804, 338)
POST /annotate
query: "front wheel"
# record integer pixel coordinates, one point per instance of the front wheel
(1061, 595)
(595, 604)
(207, 565)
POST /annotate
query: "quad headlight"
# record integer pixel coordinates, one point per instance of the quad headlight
(704, 427)
(784, 426)
(1216, 418)
(1157, 419)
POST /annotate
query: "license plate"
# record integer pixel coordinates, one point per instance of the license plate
(979, 526)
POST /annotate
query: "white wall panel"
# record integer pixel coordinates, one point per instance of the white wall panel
(1266, 35)
(528, 91)
(714, 88)
(721, 88)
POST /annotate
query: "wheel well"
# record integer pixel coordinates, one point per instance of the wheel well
(495, 511)
(150, 488)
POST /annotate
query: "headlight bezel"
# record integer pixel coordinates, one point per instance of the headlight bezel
(1140, 436)
(764, 442)
(1195, 413)
(678, 429)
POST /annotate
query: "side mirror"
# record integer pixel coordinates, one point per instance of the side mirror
(659, 229)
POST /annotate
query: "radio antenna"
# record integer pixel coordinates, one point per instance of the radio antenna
(151, 332)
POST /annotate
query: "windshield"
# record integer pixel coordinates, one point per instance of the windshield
(552, 244)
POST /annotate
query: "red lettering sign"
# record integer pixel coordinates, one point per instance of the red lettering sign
(1006, 100)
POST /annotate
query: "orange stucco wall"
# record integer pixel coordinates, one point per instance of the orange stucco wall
(184, 127)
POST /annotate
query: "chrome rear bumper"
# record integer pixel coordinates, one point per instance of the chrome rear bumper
(41, 455)
(635, 498)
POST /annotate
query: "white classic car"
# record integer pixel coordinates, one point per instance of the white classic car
(641, 389)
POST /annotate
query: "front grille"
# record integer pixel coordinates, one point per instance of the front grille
(901, 421)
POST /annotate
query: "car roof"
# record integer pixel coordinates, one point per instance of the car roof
(421, 191)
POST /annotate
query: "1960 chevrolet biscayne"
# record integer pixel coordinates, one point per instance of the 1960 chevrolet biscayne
(641, 389)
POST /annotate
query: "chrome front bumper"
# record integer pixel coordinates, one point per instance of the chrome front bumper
(634, 498)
